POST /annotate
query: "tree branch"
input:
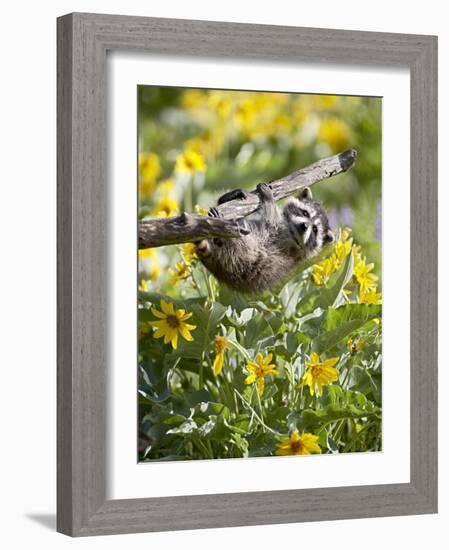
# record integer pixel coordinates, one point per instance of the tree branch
(191, 227)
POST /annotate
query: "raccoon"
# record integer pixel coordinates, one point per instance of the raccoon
(277, 241)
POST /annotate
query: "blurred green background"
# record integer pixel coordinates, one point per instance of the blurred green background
(195, 143)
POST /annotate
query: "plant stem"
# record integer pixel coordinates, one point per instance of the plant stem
(201, 379)
(256, 416)
(260, 406)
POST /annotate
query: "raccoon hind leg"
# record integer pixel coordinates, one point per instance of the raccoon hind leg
(235, 194)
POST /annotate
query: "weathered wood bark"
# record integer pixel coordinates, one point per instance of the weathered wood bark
(190, 227)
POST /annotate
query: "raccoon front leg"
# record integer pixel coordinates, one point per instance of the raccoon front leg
(268, 209)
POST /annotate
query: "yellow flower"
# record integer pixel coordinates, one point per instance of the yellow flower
(188, 253)
(296, 444)
(219, 102)
(143, 285)
(245, 112)
(165, 187)
(147, 253)
(146, 188)
(342, 249)
(326, 101)
(220, 345)
(189, 162)
(335, 133)
(363, 276)
(166, 207)
(201, 210)
(193, 99)
(152, 267)
(209, 143)
(355, 347)
(322, 271)
(260, 370)
(171, 323)
(319, 373)
(144, 328)
(180, 272)
(149, 167)
(345, 234)
(370, 297)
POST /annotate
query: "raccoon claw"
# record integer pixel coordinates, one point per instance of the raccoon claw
(265, 192)
(214, 213)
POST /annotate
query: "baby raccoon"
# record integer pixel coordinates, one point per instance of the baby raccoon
(277, 242)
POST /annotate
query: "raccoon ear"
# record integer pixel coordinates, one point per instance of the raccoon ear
(329, 237)
(305, 194)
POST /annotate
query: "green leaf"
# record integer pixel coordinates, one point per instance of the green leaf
(195, 397)
(206, 409)
(312, 419)
(368, 382)
(187, 427)
(340, 322)
(289, 298)
(174, 420)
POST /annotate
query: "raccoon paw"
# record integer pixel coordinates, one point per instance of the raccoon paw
(214, 212)
(265, 191)
(235, 194)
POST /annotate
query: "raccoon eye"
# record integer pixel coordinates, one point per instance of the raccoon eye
(315, 229)
(305, 214)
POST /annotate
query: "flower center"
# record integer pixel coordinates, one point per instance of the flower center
(316, 371)
(221, 344)
(172, 321)
(296, 446)
(190, 163)
(260, 373)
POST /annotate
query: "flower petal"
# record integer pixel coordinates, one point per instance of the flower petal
(252, 367)
(159, 333)
(185, 333)
(174, 340)
(167, 307)
(218, 364)
(294, 436)
(158, 313)
(186, 316)
(250, 379)
(330, 362)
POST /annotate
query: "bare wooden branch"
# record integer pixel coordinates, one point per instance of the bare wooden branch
(186, 228)
(190, 227)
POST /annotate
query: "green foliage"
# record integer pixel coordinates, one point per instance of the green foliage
(190, 412)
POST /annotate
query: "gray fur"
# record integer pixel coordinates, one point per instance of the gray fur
(278, 240)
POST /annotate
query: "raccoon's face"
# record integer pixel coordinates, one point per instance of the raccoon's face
(308, 223)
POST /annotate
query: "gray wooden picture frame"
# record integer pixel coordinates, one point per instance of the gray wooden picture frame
(83, 41)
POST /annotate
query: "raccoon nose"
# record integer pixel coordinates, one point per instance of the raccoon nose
(302, 227)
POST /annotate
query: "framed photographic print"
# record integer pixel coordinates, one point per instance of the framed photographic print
(246, 274)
